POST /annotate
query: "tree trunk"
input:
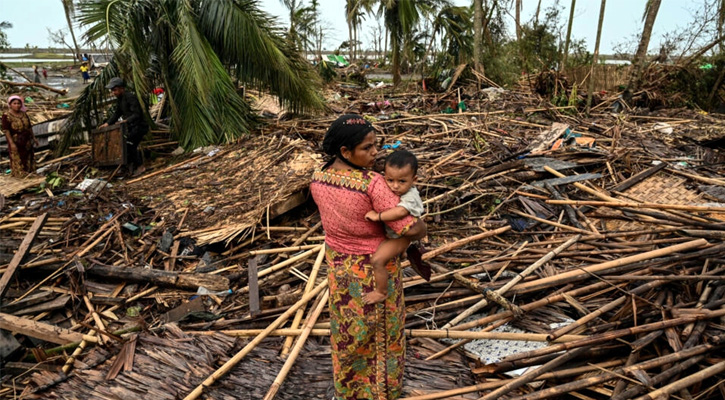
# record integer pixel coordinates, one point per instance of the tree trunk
(395, 44)
(562, 68)
(518, 21)
(720, 21)
(67, 9)
(536, 16)
(640, 57)
(477, 33)
(350, 37)
(595, 57)
(385, 48)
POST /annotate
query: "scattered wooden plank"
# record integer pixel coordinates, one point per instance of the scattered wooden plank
(163, 278)
(21, 253)
(41, 330)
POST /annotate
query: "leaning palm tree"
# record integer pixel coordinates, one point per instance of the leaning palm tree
(197, 50)
(69, 9)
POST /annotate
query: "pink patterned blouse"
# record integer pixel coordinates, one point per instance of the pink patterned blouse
(344, 197)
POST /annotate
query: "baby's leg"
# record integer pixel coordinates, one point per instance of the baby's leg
(387, 250)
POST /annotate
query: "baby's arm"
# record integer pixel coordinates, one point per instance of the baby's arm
(392, 214)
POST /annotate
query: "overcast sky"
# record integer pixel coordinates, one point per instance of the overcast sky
(622, 20)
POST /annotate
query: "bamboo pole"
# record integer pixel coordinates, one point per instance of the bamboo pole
(683, 383)
(604, 337)
(318, 307)
(290, 261)
(604, 309)
(554, 224)
(582, 187)
(167, 169)
(557, 391)
(572, 275)
(283, 249)
(533, 374)
(308, 286)
(458, 243)
(252, 344)
(411, 333)
(531, 268)
(682, 207)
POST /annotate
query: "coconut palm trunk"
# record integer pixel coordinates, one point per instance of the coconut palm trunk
(640, 57)
(562, 68)
(595, 57)
(69, 12)
(477, 32)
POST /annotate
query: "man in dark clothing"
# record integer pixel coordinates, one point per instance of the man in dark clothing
(128, 107)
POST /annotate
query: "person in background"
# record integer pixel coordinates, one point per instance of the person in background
(368, 342)
(128, 107)
(19, 135)
(45, 73)
(36, 74)
(84, 72)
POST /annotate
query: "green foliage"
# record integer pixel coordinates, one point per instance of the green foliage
(4, 45)
(199, 51)
(326, 71)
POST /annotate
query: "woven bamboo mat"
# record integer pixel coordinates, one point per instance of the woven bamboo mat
(169, 366)
(10, 186)
(661, 188)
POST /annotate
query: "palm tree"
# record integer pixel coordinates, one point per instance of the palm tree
(477, 32)
(197, 50)
(650, 14)
(401, 17)
(568, 36)
(595, 57)
(455, 25)
(69, 9)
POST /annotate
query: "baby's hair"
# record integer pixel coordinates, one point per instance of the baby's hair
(401, 158)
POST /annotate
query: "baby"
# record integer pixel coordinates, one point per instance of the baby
(401, 173)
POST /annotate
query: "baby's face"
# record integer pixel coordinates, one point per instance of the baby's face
(400, 180)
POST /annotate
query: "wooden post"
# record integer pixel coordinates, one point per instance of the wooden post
(21, 253)
(41, 330)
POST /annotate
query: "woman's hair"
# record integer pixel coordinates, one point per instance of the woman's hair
(347, 131)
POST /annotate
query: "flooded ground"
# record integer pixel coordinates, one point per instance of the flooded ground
(58, 78)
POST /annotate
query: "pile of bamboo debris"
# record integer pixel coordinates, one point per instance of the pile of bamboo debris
(573, 257)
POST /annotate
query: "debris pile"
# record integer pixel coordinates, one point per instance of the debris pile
(570, 254)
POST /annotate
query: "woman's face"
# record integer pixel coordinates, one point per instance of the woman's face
(364, 153)
(16, 105)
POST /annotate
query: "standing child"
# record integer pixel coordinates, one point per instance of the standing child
(84, 72)
(45, 73)
(401, 173)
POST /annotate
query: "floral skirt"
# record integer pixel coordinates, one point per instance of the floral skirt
(368, 341)
(22, 158)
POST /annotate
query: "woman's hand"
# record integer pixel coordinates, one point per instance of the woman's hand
(374, 297)
(372, 216)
